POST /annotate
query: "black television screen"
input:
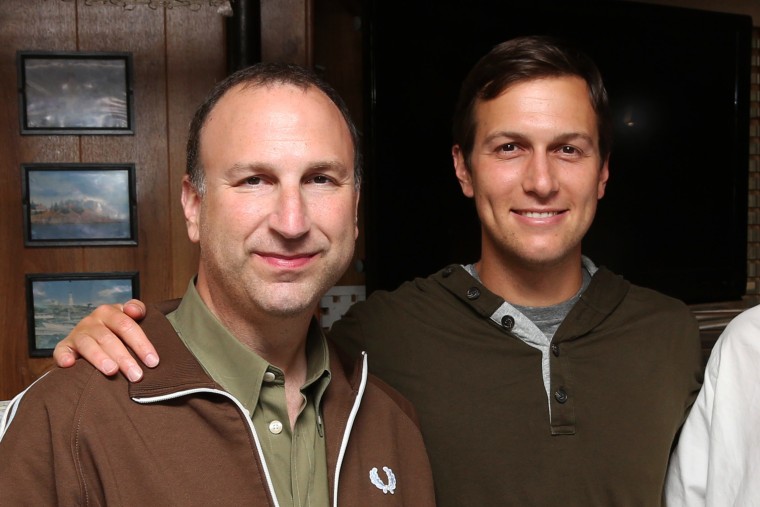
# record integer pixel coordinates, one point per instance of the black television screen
(674, 217)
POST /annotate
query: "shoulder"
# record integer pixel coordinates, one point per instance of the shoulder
(59, 394)
(661, 305)
(386, 313)
(379, 397)
(60, 385)
(384, 394)
(420, 297)
(155, 316)
(160, 331)
(741, 336)
(745, 326)
(419, 288)
(640, 300)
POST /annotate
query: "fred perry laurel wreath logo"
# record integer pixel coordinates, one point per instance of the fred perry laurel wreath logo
(379, 484)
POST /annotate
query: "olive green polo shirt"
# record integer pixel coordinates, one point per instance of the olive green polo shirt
(296, 457)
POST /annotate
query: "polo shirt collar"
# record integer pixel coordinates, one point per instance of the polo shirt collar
(237, 368)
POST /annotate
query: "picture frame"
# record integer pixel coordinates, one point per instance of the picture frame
(57, 302)
(75, 93)
(79, 204)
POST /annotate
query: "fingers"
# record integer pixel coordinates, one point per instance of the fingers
(134, 336)
(98, 339)
(135, 309)
(64, 356)
(85, 341)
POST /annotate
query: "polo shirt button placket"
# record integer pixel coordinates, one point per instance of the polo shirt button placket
(560, 395)
(473, 293)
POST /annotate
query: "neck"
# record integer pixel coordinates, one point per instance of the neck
(278, 339)
(536, 285)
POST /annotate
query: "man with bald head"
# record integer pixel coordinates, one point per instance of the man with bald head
(251, 406)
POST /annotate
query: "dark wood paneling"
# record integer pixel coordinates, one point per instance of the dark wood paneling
(187, 89)
(177, 55)
(140, 32)
(338, 57)
(25, 29)
(286, 31)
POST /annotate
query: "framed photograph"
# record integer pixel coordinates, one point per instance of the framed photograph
(75, 93)
(79, 204)
(57, 302)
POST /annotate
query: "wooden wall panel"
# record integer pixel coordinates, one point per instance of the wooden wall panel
(187, 88)
(286, 31)
(140, 32)
(24, 29)
(162, 42)
(337, 43)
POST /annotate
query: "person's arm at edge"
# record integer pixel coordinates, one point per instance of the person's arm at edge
(102, 339)
(686, 479)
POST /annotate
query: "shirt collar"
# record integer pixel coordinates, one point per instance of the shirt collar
(237, 368)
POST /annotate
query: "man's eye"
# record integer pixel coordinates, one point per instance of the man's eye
(507, 147)
(253, 180)
(320, 180)
(569, 150)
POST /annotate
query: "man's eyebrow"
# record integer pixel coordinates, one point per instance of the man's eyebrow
(572, 136)
(247, 166)
(240, 169)
(518, 137)
(327, 165)
(504, 134)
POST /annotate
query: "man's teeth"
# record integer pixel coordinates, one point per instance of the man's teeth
(537, 214)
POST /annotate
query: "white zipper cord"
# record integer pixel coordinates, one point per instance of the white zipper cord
(349, 425)
(10, 410)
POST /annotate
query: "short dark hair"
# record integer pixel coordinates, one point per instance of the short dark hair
(525, 59)
(258, 75)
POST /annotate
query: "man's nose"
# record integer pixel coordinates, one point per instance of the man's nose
(290, 217)
(540, 177)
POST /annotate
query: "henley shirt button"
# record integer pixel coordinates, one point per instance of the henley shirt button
(275, 427)
(269, 376)
(508, 322)
(473, 293)
(560, 395)
(555, 349)
(447, 272)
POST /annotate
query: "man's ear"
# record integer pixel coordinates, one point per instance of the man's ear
(604, 175)
(191, 204)
(356, 214)
(463, 173)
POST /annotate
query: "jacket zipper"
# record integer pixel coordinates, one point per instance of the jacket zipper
(349, 425)
(343, 445)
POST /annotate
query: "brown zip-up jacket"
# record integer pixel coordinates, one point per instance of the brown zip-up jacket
(177, 438)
